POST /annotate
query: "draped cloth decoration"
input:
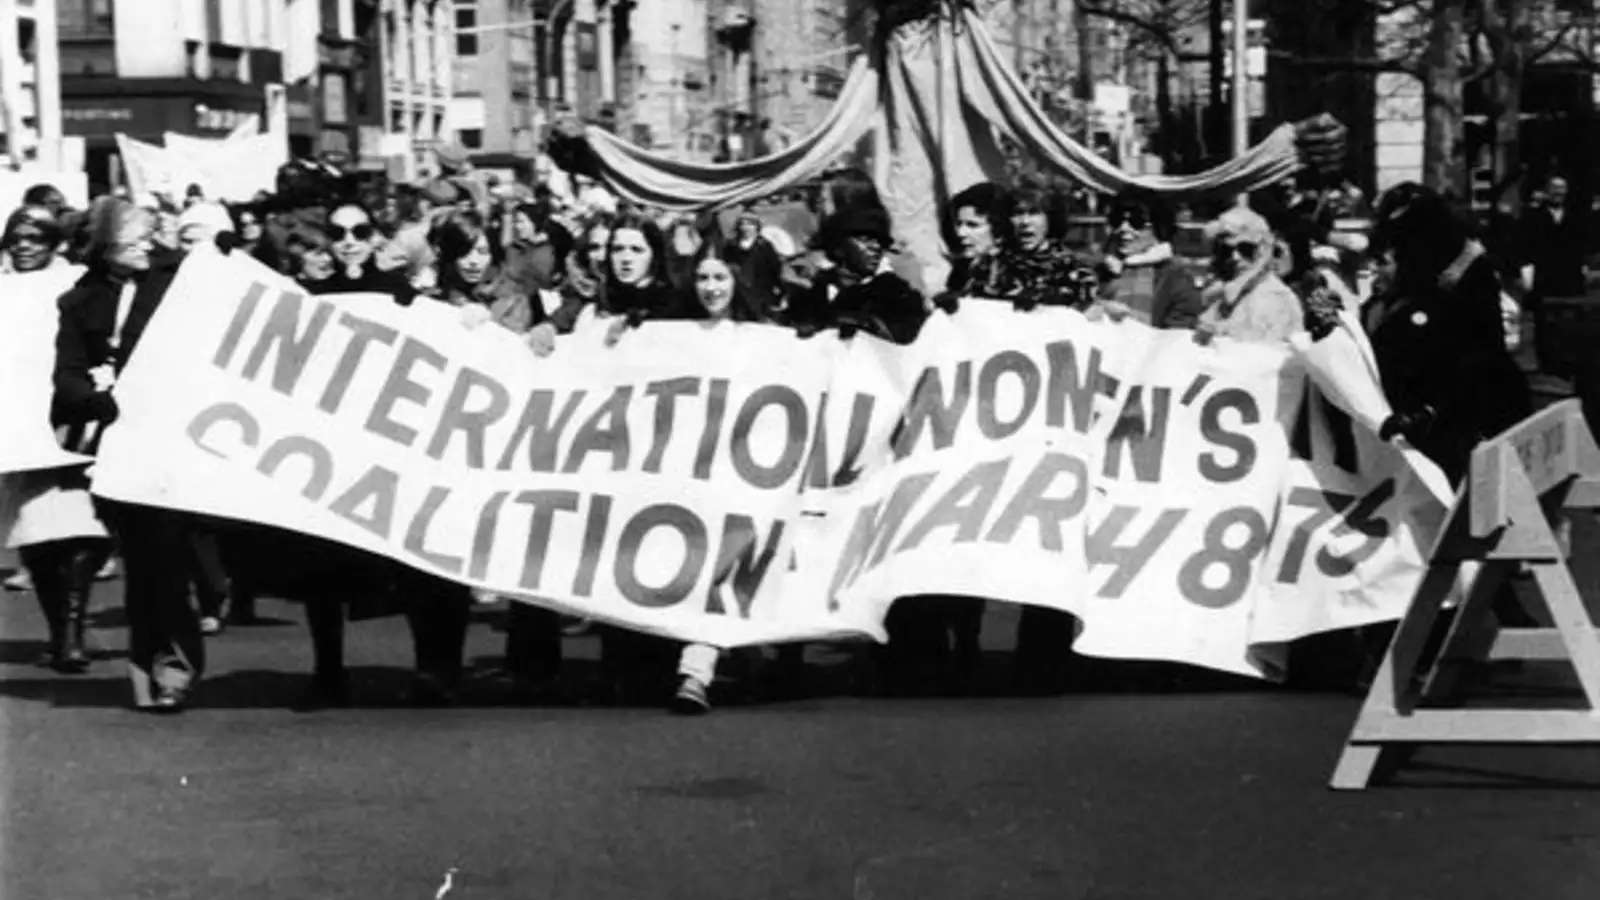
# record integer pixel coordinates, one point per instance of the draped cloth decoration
(937, 99)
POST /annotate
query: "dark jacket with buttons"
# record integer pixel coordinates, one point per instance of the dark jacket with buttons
(1443, 347)
(86, 339)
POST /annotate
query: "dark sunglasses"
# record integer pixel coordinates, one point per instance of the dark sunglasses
(31, 237)
(362, 232)
(1134, 220)
(1247, 250)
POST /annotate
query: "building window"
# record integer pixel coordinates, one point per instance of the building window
(225, 63)
(84, 18)
(334, 108)
(466, 40)
(471, 138)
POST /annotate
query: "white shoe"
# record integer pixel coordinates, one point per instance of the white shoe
(691, 698)
(107, 571)
(19, 581)
(210, 625)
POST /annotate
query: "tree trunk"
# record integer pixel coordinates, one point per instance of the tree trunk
(1505, 98)
(1442, 105)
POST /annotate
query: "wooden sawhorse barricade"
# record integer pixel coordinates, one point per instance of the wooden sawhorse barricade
(1505, 518)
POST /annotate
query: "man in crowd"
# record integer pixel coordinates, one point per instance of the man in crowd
(1556, 240)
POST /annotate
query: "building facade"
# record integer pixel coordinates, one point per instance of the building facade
(30, 79)
(416, 49)
(195, 67)
(494, 108)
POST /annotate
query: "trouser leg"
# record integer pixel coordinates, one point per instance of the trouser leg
(698, 661)
(1044, 638)
(438, 612)
(206, 570)
(164, 641)
(325, 621)
(533, 641)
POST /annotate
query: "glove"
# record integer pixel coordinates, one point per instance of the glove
(474, 316)
(806, 330)
(225, 241)
(541, 339)
(847, 330)
(1320, 309)
(1321, 141)
(947, 301)
(1412, 424)
(1025, 304)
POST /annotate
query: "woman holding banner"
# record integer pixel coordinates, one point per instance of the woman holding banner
(329, 576)
(102, 319)
(716, 298)
(47, 514)
(470, 277)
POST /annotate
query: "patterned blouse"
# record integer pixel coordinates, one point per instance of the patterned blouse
(1041, 276)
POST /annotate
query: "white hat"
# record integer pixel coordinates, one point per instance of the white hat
(210, 216)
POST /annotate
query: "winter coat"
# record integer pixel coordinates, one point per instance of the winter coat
(1443, 347)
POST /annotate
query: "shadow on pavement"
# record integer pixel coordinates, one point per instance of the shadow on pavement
(1431, 776)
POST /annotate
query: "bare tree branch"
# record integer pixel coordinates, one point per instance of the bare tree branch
(1373, 64)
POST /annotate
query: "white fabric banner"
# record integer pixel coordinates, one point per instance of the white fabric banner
(28, 321)
(231, 169)
(735, 484)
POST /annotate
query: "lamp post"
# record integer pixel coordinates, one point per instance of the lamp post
(1241, 77)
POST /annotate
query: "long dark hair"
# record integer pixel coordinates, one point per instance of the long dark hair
(740, 307)
(653, 238)
(453, 237)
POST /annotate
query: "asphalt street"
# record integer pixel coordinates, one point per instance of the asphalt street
(1210, 788)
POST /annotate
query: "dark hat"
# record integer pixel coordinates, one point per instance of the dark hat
(869, 220)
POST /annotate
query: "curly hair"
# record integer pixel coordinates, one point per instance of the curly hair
(990, 200)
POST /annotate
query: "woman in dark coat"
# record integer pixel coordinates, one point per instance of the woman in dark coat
(1438, 333)
(1440, 341)
(102, 319)
(859, 293)
(328, 575)
(635, 289)
(977, 228)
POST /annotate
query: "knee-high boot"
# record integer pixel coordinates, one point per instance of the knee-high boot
(83, 560)
(43, 563)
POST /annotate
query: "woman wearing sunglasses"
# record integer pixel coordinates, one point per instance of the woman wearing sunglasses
(328, 576)
(1141, 277)
(47, 515)
(1248, 301)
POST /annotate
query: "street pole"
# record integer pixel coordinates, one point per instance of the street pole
(1241, 77)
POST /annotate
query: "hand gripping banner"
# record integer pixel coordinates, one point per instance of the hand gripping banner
(735, 484)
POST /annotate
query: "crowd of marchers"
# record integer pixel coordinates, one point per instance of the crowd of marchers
(1438, 297)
